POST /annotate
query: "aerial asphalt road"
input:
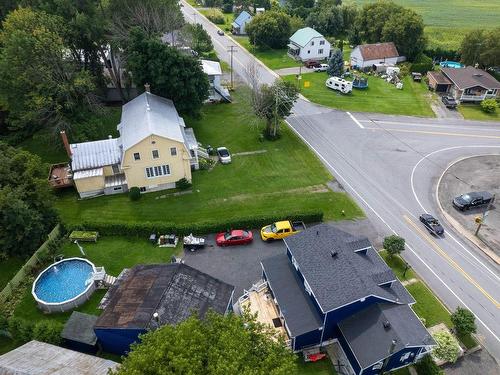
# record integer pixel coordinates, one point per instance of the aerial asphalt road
(390, 165)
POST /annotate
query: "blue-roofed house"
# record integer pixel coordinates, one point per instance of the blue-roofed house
(329, 286)
(307, 44)
(239, 24)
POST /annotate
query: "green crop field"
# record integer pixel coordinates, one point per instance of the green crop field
(447, 21)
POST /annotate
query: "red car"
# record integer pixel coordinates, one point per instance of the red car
(234, 237)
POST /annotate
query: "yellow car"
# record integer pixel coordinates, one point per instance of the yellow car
(281, 229)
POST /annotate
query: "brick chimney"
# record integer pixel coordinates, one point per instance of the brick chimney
(64, 138)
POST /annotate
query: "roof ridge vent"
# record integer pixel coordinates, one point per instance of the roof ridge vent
(334, 253)
(387, 324)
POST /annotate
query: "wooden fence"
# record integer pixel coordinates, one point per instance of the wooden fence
(29, 265)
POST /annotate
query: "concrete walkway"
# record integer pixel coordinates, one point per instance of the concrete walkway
(294, 70)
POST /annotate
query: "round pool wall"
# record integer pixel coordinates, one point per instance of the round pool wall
(64, 285)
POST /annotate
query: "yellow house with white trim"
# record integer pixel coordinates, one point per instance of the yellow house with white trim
(153, 151)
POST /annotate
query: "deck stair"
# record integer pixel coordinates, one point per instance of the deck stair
(114, 283)
(203, 153)
(109, 280)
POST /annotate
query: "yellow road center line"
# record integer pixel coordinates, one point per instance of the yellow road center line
(438, 133)
(451, 261)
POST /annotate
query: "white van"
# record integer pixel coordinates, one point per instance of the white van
(339, 84)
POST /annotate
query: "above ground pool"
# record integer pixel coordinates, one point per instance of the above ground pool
(64, 285)
(451, 64)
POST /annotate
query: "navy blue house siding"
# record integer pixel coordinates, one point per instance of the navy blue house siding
(335, 316)
(117, 341)
(307, 339)
(348, 352)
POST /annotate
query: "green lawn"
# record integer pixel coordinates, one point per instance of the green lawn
(272, 58)
(380, 96)
(8, 268)
(286, 177)
(428, 306)
(398, 266)
(474, 112)
(447, 21)
(322, 367)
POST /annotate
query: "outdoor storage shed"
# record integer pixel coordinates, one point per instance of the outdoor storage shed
(151, 296)
(78, 333)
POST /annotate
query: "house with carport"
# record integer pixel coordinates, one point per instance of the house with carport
(467, 84)
(329, 287)
(307, 44)
(154, 150)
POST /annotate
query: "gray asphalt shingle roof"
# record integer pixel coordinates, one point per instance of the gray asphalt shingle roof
(370, 340)
(469, 76)
(346, 277)
(300, 314)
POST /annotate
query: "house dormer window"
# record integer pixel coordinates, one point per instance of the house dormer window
(156, 154)
(137, 156)
(321, 42)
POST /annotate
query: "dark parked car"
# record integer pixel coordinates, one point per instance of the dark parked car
(431, 224)
(472, 200)
(220, 32)
(449, 101)
(311, 64)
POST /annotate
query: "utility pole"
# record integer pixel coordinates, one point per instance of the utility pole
(480, 220)
(231, 51)
(194, 15)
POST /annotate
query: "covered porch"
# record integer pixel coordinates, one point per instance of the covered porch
(293, 51)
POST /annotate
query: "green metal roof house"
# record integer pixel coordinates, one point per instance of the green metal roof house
(307, 44)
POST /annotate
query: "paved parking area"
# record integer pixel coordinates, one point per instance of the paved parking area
(474, 174)
(480, 362)
(240, 265)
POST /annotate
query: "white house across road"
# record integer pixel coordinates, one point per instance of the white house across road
(307, 44)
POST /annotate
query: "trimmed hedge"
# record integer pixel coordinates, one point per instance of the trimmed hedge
(144, 229)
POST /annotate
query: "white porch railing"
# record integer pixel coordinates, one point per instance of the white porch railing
(472, 97)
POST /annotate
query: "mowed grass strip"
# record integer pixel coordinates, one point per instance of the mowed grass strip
(287, 177)
(474, 112)
(272, 58)
(380, 96)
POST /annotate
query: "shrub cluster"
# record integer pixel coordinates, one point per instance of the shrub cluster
(22, 330)
(183, 184)
(422, 64)
(144, 229)
(489, 106)
(216, 16)
(427, 366)
(134, 194)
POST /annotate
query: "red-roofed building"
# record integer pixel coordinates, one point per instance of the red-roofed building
(367, 55)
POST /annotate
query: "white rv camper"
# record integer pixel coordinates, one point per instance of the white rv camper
(339, 84)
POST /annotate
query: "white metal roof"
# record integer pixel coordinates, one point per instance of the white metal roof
(146, 115)
(88, 173)
(191, 141)
(39, 358)
(211, 68)
(91, 155)
(302, 36)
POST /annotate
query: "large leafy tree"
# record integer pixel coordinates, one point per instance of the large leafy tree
(274, 103)
(384, 21)
(26, 212)
(481, 47)
(41, 84)
(464, 321)
(197, 38)
(269, 29)
(216, 345)
(171, 74)
(300, 8)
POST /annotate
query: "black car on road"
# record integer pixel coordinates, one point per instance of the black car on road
(473, 200)
(449, 101)
(431, 224)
